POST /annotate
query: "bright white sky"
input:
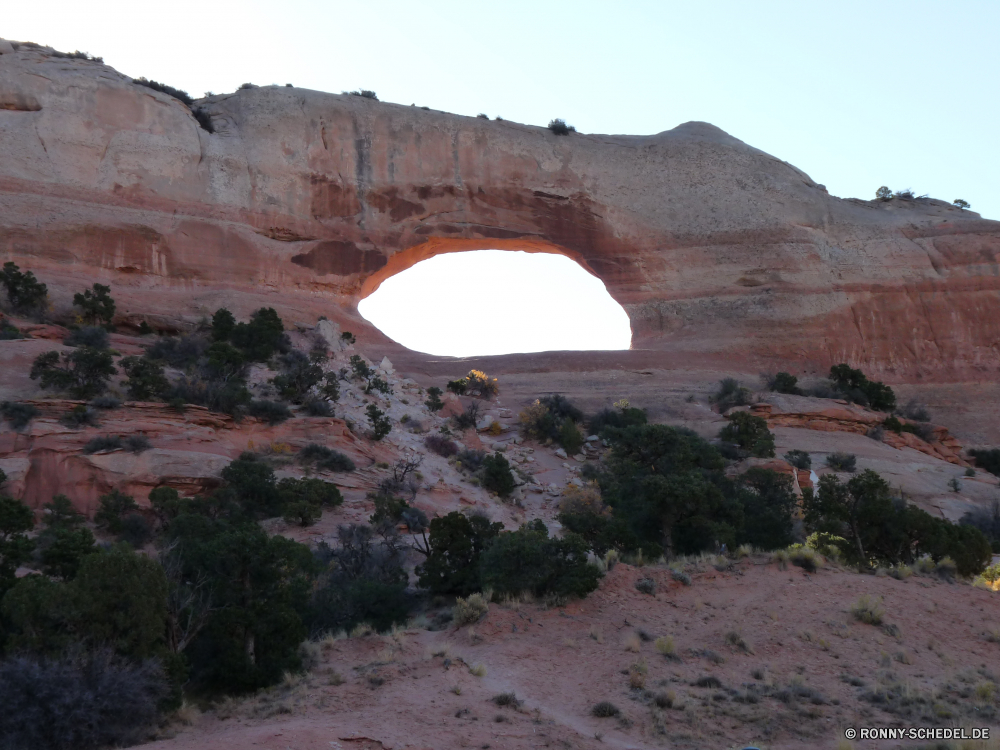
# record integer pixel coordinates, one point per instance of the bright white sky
(856, 93)
(497, 302)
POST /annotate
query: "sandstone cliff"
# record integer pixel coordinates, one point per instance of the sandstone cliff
(716, 249)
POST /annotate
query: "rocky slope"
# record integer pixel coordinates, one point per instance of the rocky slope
(718, 251)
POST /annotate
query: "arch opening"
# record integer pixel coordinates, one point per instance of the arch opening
(489, 302)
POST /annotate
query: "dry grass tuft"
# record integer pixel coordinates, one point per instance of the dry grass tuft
(868, 610)
(632, 643)
(470, 610)
(665, 646)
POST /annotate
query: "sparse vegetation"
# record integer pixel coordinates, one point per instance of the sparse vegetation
(731, 393)
(18, 414)
(96, 304)
(784, 382)
(868, 610)
(104, 443)
(25, 293)
(469, 610)
(93, 336)
(325, 458)
(605, 710)
(272, 412)
(496, 475)
(559, 127)
(842, 462)
(380, 423)
(84, 372)
(441, 445)
(750, 433)
(434, 402)
(799, 459)
(854, 386)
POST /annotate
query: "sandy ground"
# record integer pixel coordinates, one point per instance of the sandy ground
(763, 655)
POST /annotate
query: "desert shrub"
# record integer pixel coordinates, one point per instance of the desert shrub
(262, 337)
(79, 416)
(605, 710)
(842, 462)
(24, 292)
(883, 193)
(877, 529)
(84, 372)
(582, 512)
(105, 402)
(93, 336)
(223, 323)
(441, 445)
(799, 459)
(203, 118)
(987, 458)
(63, 549)
(226, 396)
(434, 402)
(250, 484)
(165, 89)
(10, 332)
(317, 407)
(784, 382)
(96, 304)
(303, 500)
(18, 414)
(458, 387)
(750, 433)
(381, 424)
(367, 584)
(145, 379)
(182, 352)
(646, 586)
(16, 520)
(325, 458)
(507, 700)
(805, 558)
(959, 203)
(471, 460)
(112, 509)
(559, 127)
(298, 376)
(468, 419)
(731, 393)
(364, 94)
(854, 386)
(987, 521)
(680, 576)
(482, 385)
(136, 530)
(104, 443)
(78, 702)
(915, 411)
(469, 610)
(529, 560)
(769, 502)
(497, 476)
(868, 610)
(453, 549)
(272, 412)
(137, 443)
(145, 329)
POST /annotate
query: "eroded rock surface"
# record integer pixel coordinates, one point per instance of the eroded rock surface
(716, 249)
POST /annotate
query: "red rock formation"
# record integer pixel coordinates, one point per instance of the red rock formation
(718, 251)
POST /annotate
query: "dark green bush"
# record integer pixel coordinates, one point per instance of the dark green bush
(93, 336)
(145, 329)
(731, 394)
(96, 304)
(10, 332)
(17, 414)
(454, 547)
(441, 445)
(16, 520)
(529, 560)
(458, 387)
(63, 549)
(317, 407)
(842, 462)
(112, 510)
(298, 376)
(570, 437)
(105, 402)
(497, 476)
(262, 337)
(104, 443)
(769, 502)
(79, 416)
(145, 379)
(181, 353)
(24, 293)
(78, 702)
(84, 372)
(750, 433)
(434, 402)
(854, 386)
(380, 423)
(799, 459)
(226, 396)
(325, 458)
(251, 484)
(137, 443)
(784, 382)
(985, 458)
(272, 412)
(136, 530)
(472, 460)
(559, 127)
(223, 324)
(165, 89)
(364, 94)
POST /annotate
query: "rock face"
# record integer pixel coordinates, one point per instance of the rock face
(716, 249)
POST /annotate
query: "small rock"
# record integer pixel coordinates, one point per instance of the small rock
(575, 482)
(580, 458)
(561, 453)
(592, 438)
(484, 423)
(498, 446)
